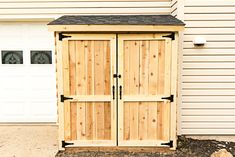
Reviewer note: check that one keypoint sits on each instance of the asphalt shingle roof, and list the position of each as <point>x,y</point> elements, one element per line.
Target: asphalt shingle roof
<point>118,20</point>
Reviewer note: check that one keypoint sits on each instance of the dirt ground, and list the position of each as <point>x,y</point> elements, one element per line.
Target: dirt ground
<point>187,147</point>
<point>41,141</point>
<point>28,140</point>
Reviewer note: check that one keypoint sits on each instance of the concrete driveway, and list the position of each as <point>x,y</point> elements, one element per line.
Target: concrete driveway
<point>28,140</point>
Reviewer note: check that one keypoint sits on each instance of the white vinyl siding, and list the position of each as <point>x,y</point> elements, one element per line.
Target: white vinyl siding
<point>208,73</point>
<point>174,8</point>
<point>55,8</point>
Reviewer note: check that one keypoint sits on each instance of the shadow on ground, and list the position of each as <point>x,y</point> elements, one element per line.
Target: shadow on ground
<point>187,147</point>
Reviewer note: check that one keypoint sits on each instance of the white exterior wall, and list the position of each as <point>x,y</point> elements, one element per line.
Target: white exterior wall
<point>174,8</point>
<point>17,9</point>
<point>207,92</point>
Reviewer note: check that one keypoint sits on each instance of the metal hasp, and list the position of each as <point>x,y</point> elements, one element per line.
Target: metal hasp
<point>171,98</point>
<point>64,144</point>
<point>63,98</point>
<point>61,36</point>
<point>172,36</point>
<point>116,76</point>
<point>170,144</point>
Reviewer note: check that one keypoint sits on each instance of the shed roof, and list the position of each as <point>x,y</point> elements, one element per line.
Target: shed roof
<point>118,20</point>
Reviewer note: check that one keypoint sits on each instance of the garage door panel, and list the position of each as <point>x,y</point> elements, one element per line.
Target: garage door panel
<point>28,91</point>
<point>12,108</point>
<point>37,108</point>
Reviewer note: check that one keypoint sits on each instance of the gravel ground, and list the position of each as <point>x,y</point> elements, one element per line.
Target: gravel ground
<point>187,147</point>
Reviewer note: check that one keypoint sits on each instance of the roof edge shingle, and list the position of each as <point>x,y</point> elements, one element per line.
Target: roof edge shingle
<point>117,20</point>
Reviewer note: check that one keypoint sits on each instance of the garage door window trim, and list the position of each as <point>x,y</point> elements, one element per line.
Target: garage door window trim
<point>12,56</point>
<point>41,57</point>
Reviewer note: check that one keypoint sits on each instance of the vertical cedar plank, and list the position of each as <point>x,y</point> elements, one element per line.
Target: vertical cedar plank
<point>67,131</point>
<point>81,85</point>
<point>79,50</point>
<point>161,82</point>
<point>90,90</point>
<point>153,86</point>
<point>72,73</point>
<point>143,90</point>
<point>99,88</point>
<point>84,86</point>
<point>134,87</point>
<point>107,106</point>
<point>126,82</point>
<point>94,124</point>
<point>167,92</point>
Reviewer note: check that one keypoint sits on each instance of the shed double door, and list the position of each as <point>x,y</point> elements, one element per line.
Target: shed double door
<point>115,89</point>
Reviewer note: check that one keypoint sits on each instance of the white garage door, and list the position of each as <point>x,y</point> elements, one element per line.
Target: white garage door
<point>28,88</point>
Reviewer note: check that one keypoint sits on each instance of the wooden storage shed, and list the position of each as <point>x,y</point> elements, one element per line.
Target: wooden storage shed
<point>117,80</point>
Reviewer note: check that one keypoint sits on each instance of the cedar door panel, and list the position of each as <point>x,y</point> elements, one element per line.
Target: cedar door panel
<point>145,66</point>
<point>87,70</point>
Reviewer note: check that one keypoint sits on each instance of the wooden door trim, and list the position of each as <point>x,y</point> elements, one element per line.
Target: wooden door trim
<point>90,98</point>
<point>93,143</point>
<point>60,105</point>
<point>120,83</point>
<point>144,98</point>
<point>146,143</point>
<point>112,38</point>
<point>174,86</point>
<point>173,65</point>
<point>66,89</point>
<point>63,79</point>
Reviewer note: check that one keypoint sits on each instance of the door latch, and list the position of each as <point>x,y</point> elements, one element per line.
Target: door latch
<point>63,98</point>
<point>171,98</point>
<point>116,76</point>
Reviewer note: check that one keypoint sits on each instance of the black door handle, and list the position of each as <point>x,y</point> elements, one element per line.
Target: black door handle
<point>120,88</point>
<point>113,92</point>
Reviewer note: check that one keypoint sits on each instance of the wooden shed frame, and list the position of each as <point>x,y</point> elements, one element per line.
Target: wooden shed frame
<point>130,30</point>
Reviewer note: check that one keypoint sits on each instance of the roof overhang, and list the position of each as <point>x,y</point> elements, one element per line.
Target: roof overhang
<point>114,28</point>
<point>117,23</point>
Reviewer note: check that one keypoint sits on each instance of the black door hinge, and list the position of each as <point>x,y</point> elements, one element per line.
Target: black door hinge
<point>170,144</point>
<point>171,98</point>
<point>172,36</point>
<point>64,144</point>
<point>61,36</point>
<point>63,98</point>
<point>116,76</point>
